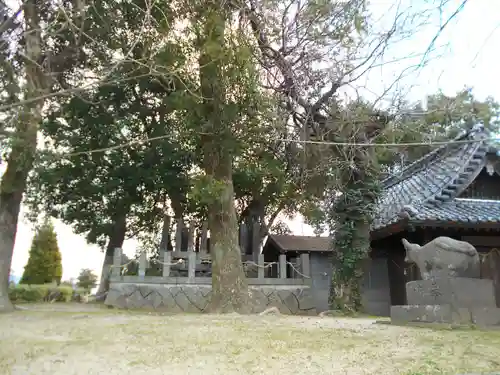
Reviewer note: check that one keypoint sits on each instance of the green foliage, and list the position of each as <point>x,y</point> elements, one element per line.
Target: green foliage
<point>87,279</point>
<point>90,191</point>
<point>44,262</point>
<point>40,293</point>
<point>440,118</point>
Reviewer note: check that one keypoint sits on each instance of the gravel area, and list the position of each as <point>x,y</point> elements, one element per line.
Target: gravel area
<point>62,339</point>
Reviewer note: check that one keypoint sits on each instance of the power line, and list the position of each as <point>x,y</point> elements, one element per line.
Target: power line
<point>438,143</point>
<point>286,140</point>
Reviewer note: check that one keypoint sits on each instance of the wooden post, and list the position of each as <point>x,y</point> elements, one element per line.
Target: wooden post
<point>192,265</point>
<point>178,234</point>
<point>255,241</point>
<point>167,259</point>
<point>243,238</point>
<point>261,270</point>
<point>298,266</point>
<point>143,260</point>
<point>117,263</point>
<point>190,244</point>
<point>282,270</point>
<point>204,236</point>
<point>305,267</point>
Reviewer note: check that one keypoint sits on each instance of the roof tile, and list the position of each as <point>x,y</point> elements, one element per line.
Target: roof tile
<point>430,185</point>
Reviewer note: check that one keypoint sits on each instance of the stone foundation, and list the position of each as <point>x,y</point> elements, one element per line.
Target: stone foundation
<point>459,291</point>
<point>480,316</point>
<point>460,301</point>
<point>195,298</point>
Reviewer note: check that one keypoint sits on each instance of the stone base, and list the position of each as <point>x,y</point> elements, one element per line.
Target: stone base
<point>195,298</point>
<point>480,316</point>
<point>459,291</point>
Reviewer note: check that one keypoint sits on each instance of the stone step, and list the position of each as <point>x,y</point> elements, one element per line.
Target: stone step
<point>480,316</point>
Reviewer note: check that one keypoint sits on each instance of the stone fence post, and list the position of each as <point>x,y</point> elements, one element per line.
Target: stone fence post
<point>192,264</point>
<point>261,270</point>
<point>142,265</point>
<point>167,259</point>
<point>282,266</point>
<point>117,263</point>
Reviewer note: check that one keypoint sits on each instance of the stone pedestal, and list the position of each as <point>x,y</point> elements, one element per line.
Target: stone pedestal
<point>449,300</point>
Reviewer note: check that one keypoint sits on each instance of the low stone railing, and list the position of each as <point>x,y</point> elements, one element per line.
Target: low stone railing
<point>193,293</point>
<point>192,260</point>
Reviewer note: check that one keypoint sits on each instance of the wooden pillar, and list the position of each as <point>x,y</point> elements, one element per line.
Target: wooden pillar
<point>204,238</point>
<point>243,238</point>
<point>255,241</point>
<point>305,267</point>
<point>178,234</point>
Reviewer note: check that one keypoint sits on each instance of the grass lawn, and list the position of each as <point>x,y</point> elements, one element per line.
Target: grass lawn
<point>102,341</point>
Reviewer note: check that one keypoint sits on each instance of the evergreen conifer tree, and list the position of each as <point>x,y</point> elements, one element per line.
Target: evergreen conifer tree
<point>44,263</point>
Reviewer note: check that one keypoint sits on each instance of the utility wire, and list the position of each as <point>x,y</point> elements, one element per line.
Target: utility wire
<point>285,140</point>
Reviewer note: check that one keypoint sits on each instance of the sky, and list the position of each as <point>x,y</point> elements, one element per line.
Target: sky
<point>470,59</point>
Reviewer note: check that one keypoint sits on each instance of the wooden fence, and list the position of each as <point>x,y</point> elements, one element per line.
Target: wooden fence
<point>288,273</point>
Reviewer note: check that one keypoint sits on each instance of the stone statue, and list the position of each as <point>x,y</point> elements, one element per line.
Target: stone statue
<point>444,256</point>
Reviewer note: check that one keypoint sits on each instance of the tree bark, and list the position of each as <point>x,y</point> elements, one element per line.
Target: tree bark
<point>229,285</point>
<point>24,142</point>
<point>116,239</point>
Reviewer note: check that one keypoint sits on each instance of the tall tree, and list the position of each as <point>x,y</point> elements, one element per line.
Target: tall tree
<point>42,54</point>
<point>23,141</point>
<point>115,193</point>
<point>44,263</point>
<point>229,286</point>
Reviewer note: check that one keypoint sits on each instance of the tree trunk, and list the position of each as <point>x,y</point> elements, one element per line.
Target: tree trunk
<point>20,160</point>
<point>229,285</point>
<point>165,243</point>
<point>116,239</point>
<point>352,217</point>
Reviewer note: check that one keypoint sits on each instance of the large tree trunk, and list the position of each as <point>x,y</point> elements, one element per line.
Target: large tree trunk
<point>20,160</point>
<point>116,239</point>
<point>229,285</point>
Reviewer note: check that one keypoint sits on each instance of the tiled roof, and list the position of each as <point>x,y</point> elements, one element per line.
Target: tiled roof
<point>300,243</point>
<point>461,210</point>
<point>427,188</point>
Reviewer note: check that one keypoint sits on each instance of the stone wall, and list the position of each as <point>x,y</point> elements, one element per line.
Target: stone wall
<point>296,300</point>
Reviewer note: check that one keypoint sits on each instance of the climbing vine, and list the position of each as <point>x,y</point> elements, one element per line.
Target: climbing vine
<point>350,216</point>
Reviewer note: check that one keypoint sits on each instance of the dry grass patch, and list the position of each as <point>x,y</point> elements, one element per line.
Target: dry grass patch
<point>111,342</point>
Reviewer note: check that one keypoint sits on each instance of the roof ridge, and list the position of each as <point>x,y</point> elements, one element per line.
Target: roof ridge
<point>416,165</point>
<point>471,168</point>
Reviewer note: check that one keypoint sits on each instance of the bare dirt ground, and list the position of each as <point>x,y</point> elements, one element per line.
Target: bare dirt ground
<point>87,339</point>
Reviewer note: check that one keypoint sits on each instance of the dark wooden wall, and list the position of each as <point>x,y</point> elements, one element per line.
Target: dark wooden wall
<point>484,186</point>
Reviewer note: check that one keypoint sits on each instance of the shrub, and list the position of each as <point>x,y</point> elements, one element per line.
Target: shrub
<point>40,293</point>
